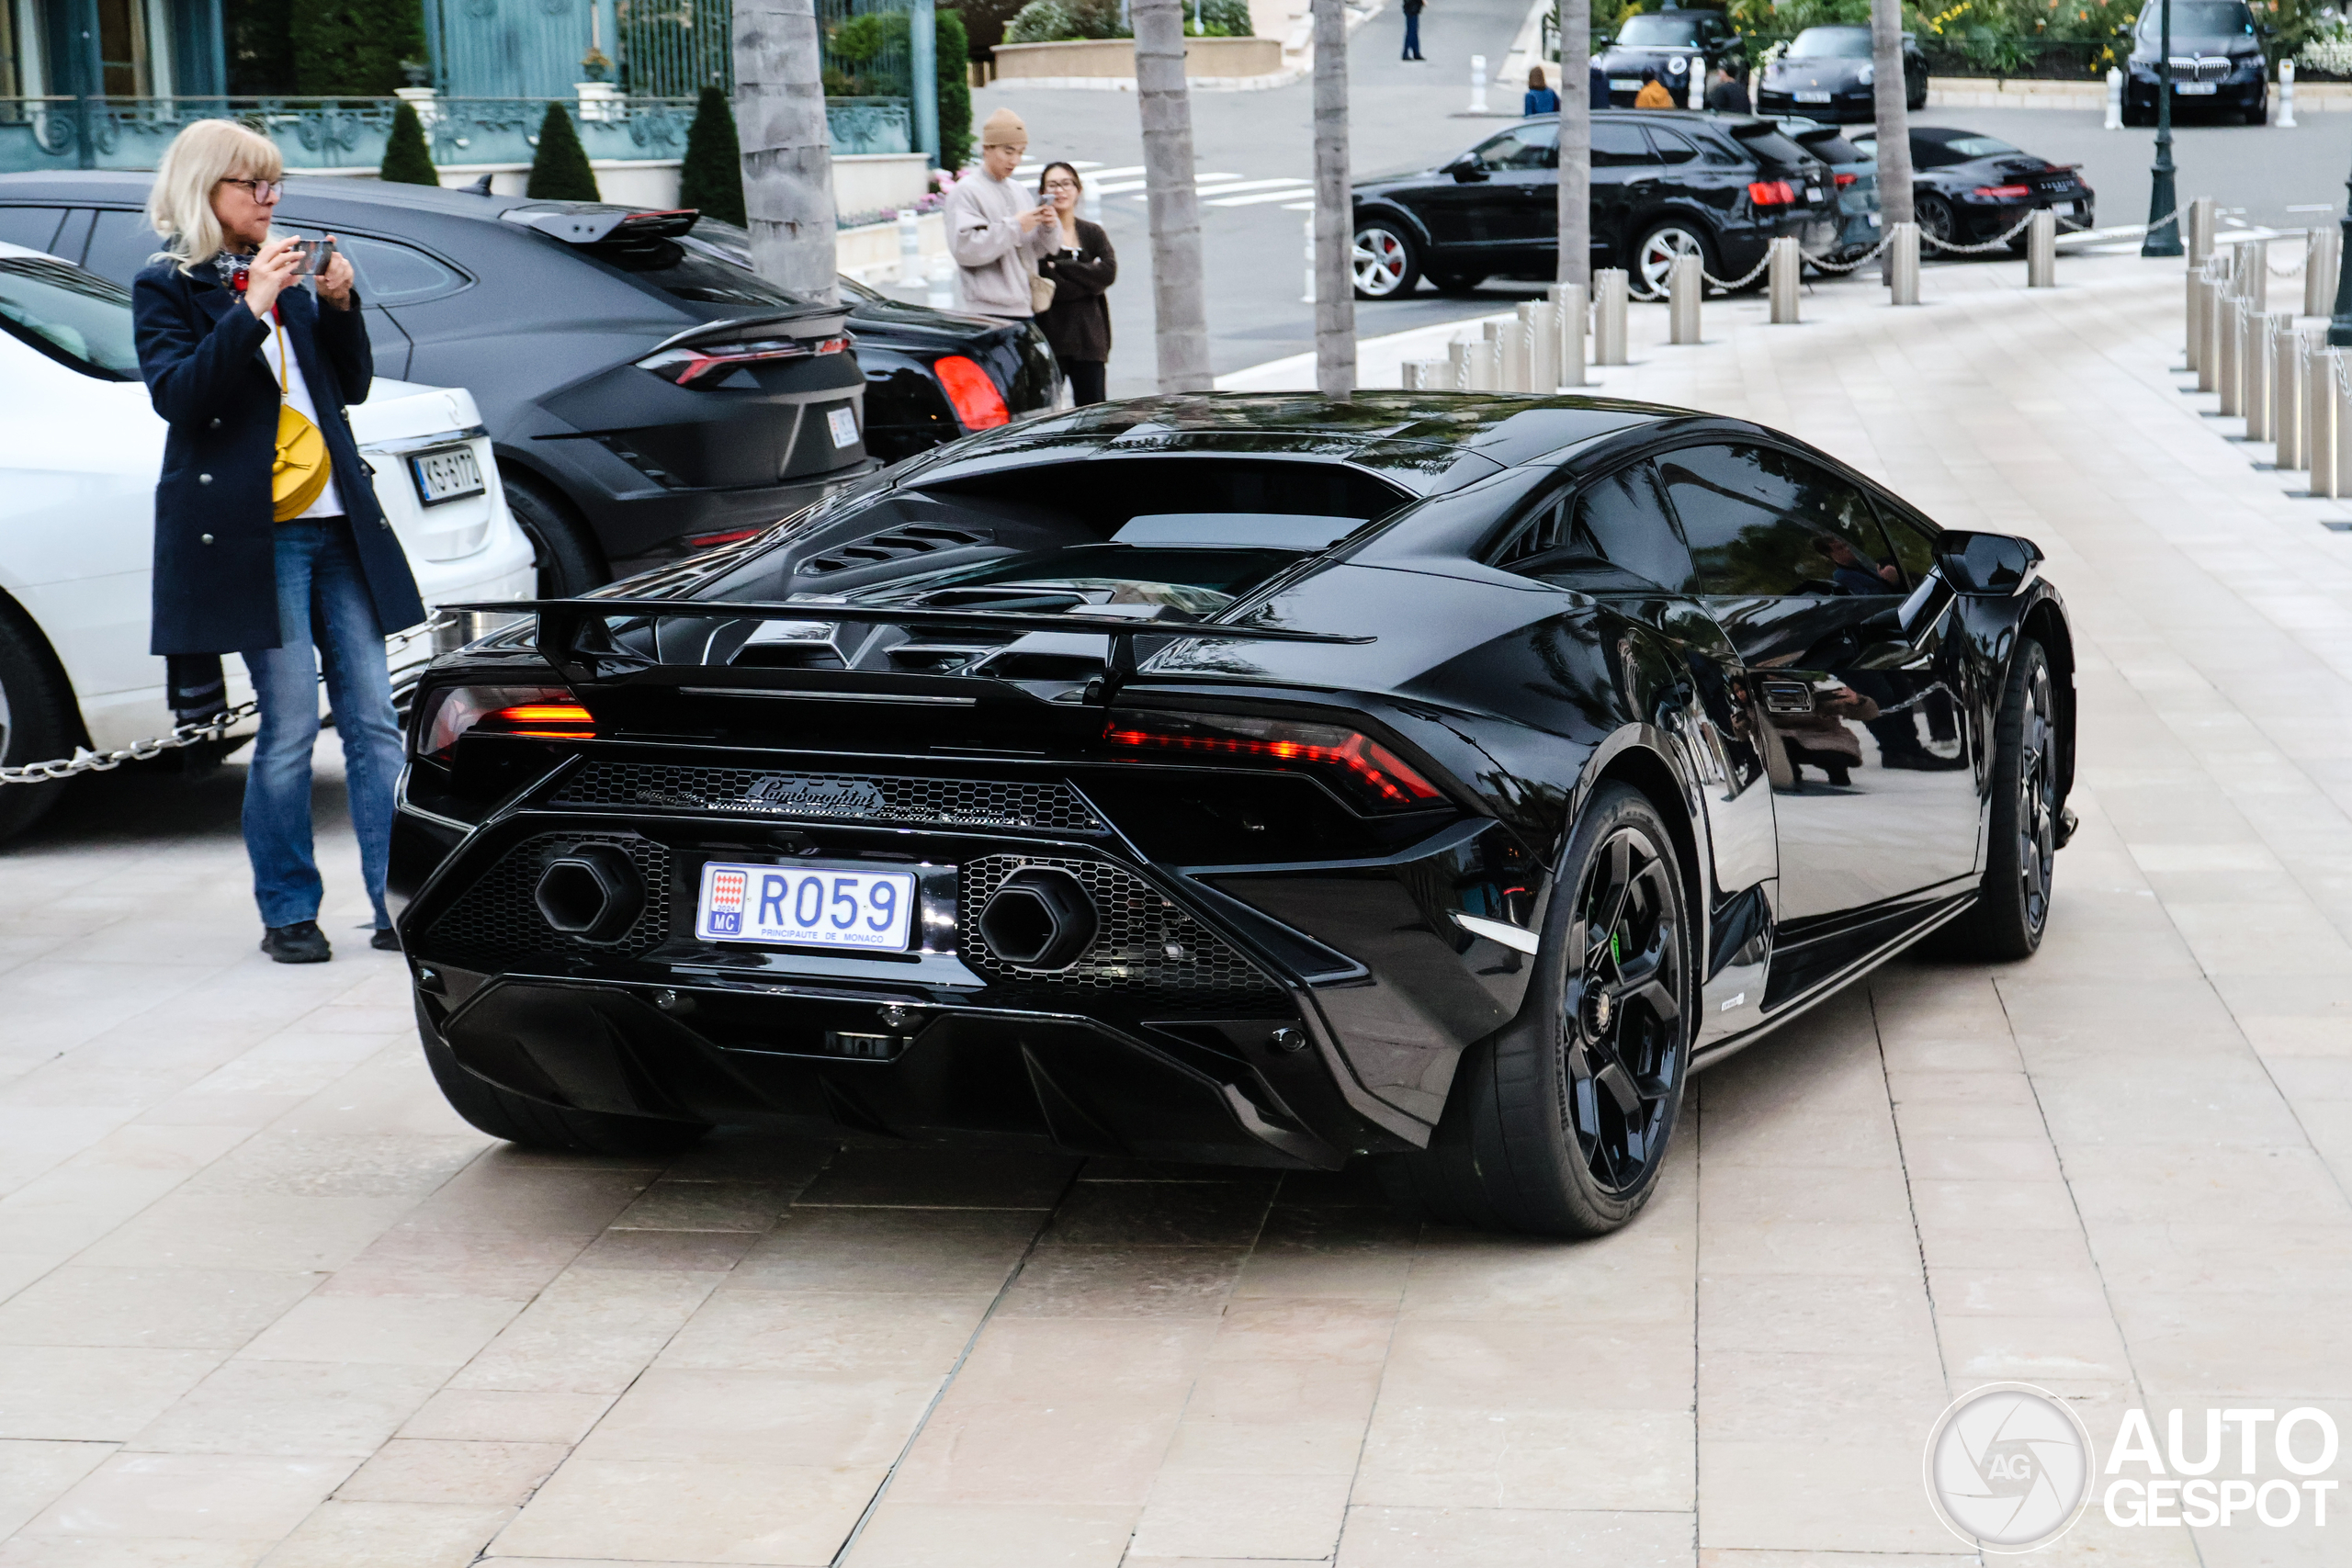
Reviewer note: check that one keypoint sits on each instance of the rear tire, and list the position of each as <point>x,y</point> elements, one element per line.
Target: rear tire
<point>1936,218</point>
<point>535,1125</point>
<point>2013,906</point>
<point>38,722</point>
<point>1654,257</point>
<point>568,562</point>
<point>1559,1124</point>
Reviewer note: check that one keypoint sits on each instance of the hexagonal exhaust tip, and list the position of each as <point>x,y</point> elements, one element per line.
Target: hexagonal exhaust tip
<point>1040,919</point>
<point>593,893</point>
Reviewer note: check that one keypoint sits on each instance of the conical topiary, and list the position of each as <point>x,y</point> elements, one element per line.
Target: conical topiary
<point>711,178</point>
<point>560,172</point>
<point>407,161</point>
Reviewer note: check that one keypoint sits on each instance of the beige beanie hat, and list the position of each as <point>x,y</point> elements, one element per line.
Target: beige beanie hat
<point>1003,128</point>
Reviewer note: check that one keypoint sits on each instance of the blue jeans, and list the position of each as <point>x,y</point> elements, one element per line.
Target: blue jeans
<point>322,607</point>
<point>1412,38</point>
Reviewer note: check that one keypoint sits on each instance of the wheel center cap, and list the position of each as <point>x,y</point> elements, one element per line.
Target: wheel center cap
<point>1599,1010</point>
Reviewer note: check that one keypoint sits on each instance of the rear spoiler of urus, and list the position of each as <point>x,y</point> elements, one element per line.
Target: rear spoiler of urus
<point>572,638</point>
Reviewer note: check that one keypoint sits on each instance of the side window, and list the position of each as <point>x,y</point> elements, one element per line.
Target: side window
<point>1762,521</point>
<point>1525,147</point>
<point>1617,145</point>
<point>120,244</point>
<point>1617,519</point>
<point>81,321</point>
<point>1914,547</point>
<point>31,227</point>
<point>389,273</point>
<point>1672,146</point>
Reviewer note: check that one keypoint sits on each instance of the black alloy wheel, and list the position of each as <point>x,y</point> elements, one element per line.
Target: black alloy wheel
<point>2013,904</point>
<point>38,722</point>
<point>1559,1124</point>
<point>1654,258</point>
<point>567,564</point>
<point>1937,221</point>
<point>1384,262</point>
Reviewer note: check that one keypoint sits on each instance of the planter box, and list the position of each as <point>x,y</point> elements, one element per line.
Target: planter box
<point>1115,58</point>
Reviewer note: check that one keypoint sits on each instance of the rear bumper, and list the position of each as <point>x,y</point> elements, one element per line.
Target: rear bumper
<point>1848,108</point>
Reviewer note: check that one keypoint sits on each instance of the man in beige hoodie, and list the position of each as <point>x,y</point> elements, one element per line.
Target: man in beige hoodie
<point>996,230</point>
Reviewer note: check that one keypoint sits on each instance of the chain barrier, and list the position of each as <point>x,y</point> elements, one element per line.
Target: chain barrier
<point>1993,244</point>
<point>85,760</point>
<point>1735,284</point>
<point>1825,265</point>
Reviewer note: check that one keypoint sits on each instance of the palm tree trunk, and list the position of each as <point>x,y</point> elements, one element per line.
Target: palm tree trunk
<point>1887,95</point>
<point>1575,142</point>
<point>787,153</point>
<point>1335,299</point>
<point>1174,199</point>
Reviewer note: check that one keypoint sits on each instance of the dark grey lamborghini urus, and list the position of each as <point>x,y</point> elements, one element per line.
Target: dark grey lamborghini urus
<point>1431,778</point>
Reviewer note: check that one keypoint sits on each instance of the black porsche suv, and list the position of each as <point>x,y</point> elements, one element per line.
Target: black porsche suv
<point>1666,183</point>
<point>648,394</point>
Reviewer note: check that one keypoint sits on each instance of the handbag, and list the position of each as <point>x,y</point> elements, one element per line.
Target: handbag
<point>300,470</point>
<point>1041,292</point>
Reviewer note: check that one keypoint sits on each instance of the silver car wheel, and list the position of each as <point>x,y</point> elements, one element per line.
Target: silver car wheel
<point>1654,266</point>
<point>1382,262</point>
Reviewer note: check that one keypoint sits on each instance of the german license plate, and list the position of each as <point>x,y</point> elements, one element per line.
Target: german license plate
<point>2196,89</point>
<point>842,425</point>
<point>2062,209</point>
<point>1813,96</point>
<point>444,473</point>
<point>806,906</point>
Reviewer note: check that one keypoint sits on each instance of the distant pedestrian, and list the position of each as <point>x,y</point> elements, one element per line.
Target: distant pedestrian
<point>1077,323</point>
<point>1600,86</point>
<point>995,231</point>
<point>1653,95</point>
<point>1540,100</point>
<point>1727,94</point>
<point>1412,30</point>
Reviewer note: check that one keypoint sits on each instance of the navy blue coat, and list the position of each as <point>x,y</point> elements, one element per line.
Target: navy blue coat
<point>200,351</point>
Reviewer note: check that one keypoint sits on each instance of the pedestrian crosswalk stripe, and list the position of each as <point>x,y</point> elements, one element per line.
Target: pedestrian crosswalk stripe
<point>1290,188</point>
<point>1227,184</point>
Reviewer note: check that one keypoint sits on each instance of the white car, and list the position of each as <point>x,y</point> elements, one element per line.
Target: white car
<point>80,448</point>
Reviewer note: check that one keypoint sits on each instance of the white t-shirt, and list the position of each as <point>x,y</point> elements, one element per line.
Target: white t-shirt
<point>297,393</point>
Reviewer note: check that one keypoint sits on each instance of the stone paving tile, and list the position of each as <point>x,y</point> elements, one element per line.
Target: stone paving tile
<point>263,1298</point>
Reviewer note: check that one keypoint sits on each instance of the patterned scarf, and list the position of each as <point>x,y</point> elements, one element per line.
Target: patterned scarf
<point>231,269</point>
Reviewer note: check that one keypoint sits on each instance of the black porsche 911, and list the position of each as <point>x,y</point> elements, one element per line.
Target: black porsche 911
<point>1829,74</point>
<point>1435,779</point>
<point>1967,189</point>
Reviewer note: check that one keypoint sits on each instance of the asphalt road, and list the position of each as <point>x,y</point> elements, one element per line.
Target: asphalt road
<point>1413,116</point>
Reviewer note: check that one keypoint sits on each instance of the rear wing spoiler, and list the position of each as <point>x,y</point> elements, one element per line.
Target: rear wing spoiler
<point>572,635</point>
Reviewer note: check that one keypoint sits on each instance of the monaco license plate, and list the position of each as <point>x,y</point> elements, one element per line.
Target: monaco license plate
<point>1625,83</point>
<point>1813,95</point>
<point>444,473</point>
<point>806,906</point>
<point>2196,89</point>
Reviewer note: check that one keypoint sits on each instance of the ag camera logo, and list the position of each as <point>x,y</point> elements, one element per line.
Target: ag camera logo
<point>2008,1467</point>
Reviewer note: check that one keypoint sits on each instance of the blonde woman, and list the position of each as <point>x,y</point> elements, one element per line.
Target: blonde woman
<point>228,337</point>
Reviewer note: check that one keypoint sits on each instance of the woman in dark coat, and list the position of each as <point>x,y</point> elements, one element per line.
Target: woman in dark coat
<point>227,336</point>
<point>1078,323</point>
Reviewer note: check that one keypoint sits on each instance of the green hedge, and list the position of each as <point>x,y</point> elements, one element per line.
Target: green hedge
<point>1056,21</point>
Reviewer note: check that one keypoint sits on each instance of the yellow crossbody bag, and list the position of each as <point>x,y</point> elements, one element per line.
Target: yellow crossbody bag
<point>302,468</point>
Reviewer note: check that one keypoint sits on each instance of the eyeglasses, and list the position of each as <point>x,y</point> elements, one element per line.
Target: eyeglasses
<point>1061,185</point>
<point>265,191</point>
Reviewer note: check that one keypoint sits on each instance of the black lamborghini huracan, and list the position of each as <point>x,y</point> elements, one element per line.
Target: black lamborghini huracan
<point>1432,778</point>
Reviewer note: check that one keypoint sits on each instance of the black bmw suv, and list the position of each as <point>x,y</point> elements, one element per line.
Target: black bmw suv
<point>1666,183</point>
<point>2217,62</point>
<point>647,394</point>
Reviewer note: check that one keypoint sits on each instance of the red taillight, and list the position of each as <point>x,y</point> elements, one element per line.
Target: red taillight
<point>978,403</point>
<point>1845,180</point>
<point>1772,193</point>
<point>691,365</point>
<point>2004,192</point>
<point>731,536</point>
<point>540,713</point>
<point>1372,774</point>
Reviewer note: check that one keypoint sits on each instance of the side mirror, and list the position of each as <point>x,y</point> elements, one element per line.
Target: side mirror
<point>1465,169</point>
<point>1993,566</point>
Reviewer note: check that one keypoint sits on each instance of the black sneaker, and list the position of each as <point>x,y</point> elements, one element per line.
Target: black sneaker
<point>302,942</point>
<point>386,940</point>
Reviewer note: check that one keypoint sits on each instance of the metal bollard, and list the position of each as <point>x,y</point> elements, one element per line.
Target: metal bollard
<point>1457,364</point>
<point>941,295</point>
<point>1574,317</point>
<point>1684,285</point>
<point>2340,386</point>
<point>2285,392</point>
<point>2324,256</point>
<point>1409,374</point>
<point>1486,361</point>
<point>1478,83</point>
<point>2319,412</point>
<point>2200,231</point>
<point>1786,272</point>
<point>2196,314</point>
<point>2254,288</point>
<point>1539,327</point>
<point>1429,376</point>
<point>1902,264</point>
<point>2042,250</point>
<point>2286,117</point>
<point>2254,397</point>
<point>1510,347</point>
<point>910,250</point>
<point>2114,99</point>
<point>1611,291</point>
<point>2209,324</point>
<point>2226,377</point>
